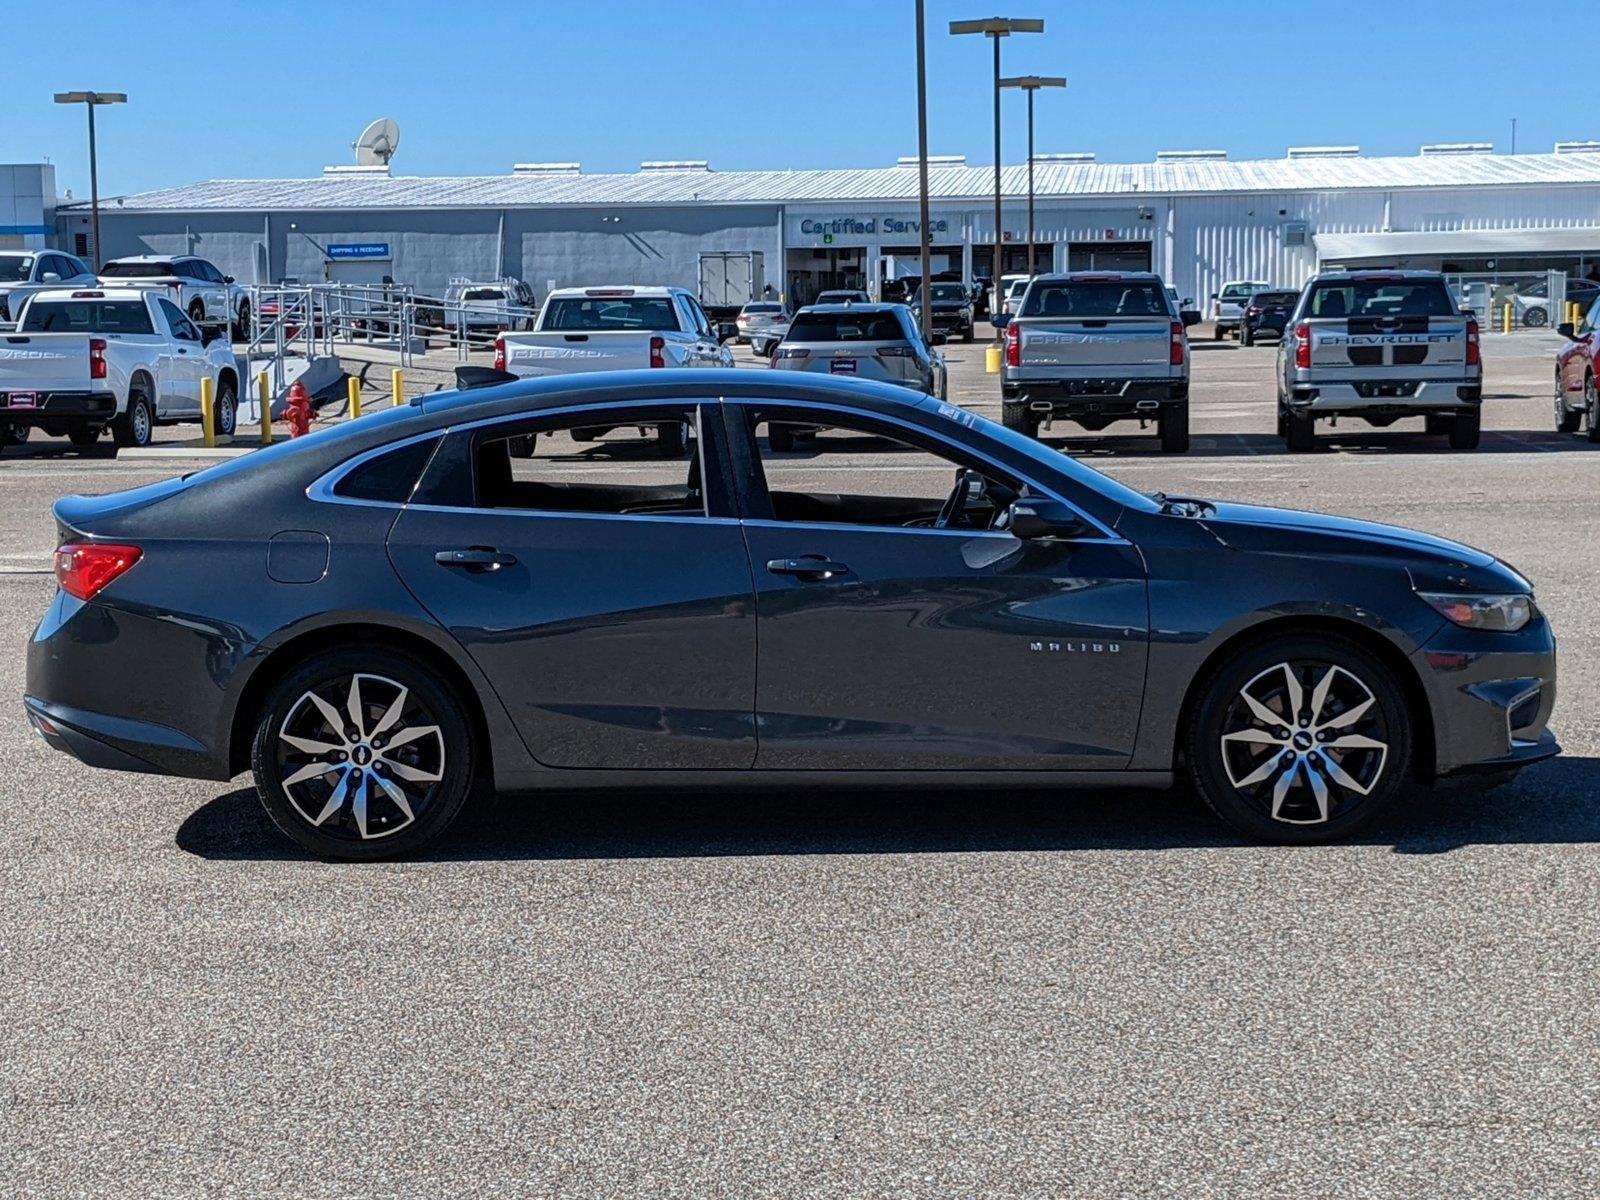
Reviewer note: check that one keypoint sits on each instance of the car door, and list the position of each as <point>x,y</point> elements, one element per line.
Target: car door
<point>183,362</point>
<point>888,643</point>
<point>603,589</point>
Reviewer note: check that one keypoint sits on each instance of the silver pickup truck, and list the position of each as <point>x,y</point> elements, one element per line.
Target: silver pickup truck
<point>1096,347</point>
<point>1378,346</point>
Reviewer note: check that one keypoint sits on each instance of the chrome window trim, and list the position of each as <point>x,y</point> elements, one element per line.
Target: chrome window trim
<point>1109,537</point>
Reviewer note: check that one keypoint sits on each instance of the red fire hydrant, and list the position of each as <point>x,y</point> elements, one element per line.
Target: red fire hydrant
<point>297,410</point>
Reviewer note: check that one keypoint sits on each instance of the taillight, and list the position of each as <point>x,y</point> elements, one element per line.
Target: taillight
<point>83,569</point>
<point>1302,346</point>
<point>1474,350</point>
<point>97,358</point>
<point>658,352</point>
<point>1176,356</point>
<point>1013,346</point>
<point>1253,311</point>
<point>499,354</point>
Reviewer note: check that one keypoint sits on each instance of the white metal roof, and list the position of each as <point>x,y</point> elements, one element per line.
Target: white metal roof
<point>1052,180</point>
<point>1396,244</point>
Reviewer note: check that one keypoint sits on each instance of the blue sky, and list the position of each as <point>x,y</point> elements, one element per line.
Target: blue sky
<point>609,83</point>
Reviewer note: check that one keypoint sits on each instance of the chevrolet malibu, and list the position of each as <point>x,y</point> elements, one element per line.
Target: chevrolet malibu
<point>377,617</point>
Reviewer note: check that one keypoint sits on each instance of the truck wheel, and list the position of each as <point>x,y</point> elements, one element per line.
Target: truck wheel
<point>84,435</point>
<point>197,311</point>
<point>1464,430</point>
<point>1283,420</point>
<point>225,414</point>
<point>1246,338</point>
<point>1174,426</point>
<point>966,334</point>
<point>1014,415</point>
<point>1567,420</point>
<point>13,435</point>
<point>1437,423</point>
<point>137,424</point>
<point>1300,431</point>
<point>669,439</point>
<point>1216,332</point>
<point>780,438</point>
<point>241,327</point>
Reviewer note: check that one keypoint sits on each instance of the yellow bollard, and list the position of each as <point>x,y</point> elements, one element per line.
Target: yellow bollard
<point>264,390</point>
<point>208,419</point>
<point>355,397</point>
<point>397,385</point>
<point>991,360</point>
<point>1505,319</point>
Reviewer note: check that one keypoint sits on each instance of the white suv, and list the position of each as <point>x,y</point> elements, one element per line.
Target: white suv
<point>193,284</point>
<point>24,272</point>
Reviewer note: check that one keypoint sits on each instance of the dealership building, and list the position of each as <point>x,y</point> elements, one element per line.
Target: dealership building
<point>1196,217</point>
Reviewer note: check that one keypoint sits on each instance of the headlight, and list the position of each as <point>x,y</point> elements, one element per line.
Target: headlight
<point>1502,614</point>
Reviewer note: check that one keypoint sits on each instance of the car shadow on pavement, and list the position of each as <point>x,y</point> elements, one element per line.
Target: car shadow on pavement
<point>1556,802</point>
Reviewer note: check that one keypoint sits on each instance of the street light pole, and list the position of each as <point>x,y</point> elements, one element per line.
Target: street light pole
<point>997,28</point>
<point>925,312</point>
<point>1031,84</point>
<point>91,100</point>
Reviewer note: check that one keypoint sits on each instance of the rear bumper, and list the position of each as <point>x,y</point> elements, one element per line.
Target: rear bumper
<point>1385,393</point>
<point>1106,398</point>
<point>55,407</point>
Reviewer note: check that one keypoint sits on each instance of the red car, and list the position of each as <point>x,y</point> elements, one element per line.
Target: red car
<point>1577,401</point>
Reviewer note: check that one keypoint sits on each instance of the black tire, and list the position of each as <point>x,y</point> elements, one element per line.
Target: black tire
<point>1174,426</point>
<point>14,435</point>
<point>1591,409</point>
<point>1246,338</point>
<point>241,327</point>
<point>1465,429</point>
<point>780,438</point>
<point>136,425</point>
<point>1283,420</point>
<point>669,439</point>
<point>1014,415</point>
<point>197,311</point>
<point>1229,774</point>
<point>1216,332</point>
<point>1536,318</point>
<point>522,446</point>
<point>225,410</point>
<point>966,334</point>
<point>1567,420</point>
<point>1437,423</point>
<point>1300,432</point>
<point>83,435</point>
<point>430,703</point>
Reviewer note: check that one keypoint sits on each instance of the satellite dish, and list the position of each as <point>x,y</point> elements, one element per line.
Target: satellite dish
<point>377,143</point>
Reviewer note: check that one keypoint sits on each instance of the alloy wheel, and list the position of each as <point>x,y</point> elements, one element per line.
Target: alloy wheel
<point>1304,742</point>
<point>360,757</point>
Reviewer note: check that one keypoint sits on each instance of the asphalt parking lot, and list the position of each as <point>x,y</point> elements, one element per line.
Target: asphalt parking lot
<point>941,994</point>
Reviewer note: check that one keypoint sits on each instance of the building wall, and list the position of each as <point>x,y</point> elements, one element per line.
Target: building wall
<point>27,205</point>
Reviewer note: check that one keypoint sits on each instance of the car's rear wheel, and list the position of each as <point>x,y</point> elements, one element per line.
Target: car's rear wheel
<point>1216,333</point>
<point>1535,318</point>
<point>1466,429</point>
<point>13,435</point>
<point>1591,409</point>
<point>241,328</point>
<point>1567,420</point>
<point>362,754</point>
<point>1174,426</point>
<point>1303,738</point>
<point>1300,432</point>
<point>197,311</point>
<point>1015,415</point>
<point>136,425</point>
<point>225,413</point>
<point>1246,338</point>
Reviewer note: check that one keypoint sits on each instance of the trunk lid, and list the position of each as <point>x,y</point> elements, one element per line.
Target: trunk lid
<point>44,362</point>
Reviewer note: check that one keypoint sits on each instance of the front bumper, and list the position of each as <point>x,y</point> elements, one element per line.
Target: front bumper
<point>1492,695</point>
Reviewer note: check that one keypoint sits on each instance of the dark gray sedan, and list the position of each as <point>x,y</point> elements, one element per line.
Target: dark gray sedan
<point>375,617</point>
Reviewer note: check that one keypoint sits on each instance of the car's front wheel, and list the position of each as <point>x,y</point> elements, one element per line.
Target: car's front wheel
<point>1567,420</point>
<point>362,754</point>
<point>1299,739</point>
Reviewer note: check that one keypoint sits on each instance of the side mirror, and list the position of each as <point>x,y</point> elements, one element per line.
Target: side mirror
<point>1213,295</point>
<point>1044,518</point>
<point>1566,330</point>
<point>1189,317</point>
<point>49,277</point>
<point>227,279</point>
<point>1187,302</point>
<point>1000,319</point>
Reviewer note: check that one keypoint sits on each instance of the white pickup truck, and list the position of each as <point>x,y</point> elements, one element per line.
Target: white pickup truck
<point>1228,305</point>
<point>612,329</point>
<point>84,360</point>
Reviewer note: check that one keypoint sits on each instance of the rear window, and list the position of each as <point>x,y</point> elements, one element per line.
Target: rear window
<point>763,308</point>
<point>137,270</point>
<point>390,477</point>
<point>594,313</point>
<point>86,316</point>
<point>1274,299</point>
<point>1238,291</point>
<point>949,291</point>
<point>1094,298</point>
<point>1381,298</point>
<point>483,294</point>
<point>846,327</point>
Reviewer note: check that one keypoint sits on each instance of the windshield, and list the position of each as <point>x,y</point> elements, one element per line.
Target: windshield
<point>1238,291</point>
<point>846,327</point>
<point>136,270</point>
<point>1381,298</point>
<point>15,268</point>
<point>1096,298</point>
<point>599,313</point>
<point>86,316</point>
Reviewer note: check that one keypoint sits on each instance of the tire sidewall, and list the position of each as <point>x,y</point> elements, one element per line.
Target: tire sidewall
<point>227,402</point>
<point>440,698</point>
<point>1205,726</point>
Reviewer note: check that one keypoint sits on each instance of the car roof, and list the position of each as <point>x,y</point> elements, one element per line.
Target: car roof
<point>151,258</point>
<point>1375,273</point>
<point>615,291</point>
<point>870,306</point>
<point>89,292</point>
<point>1058,276</point>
